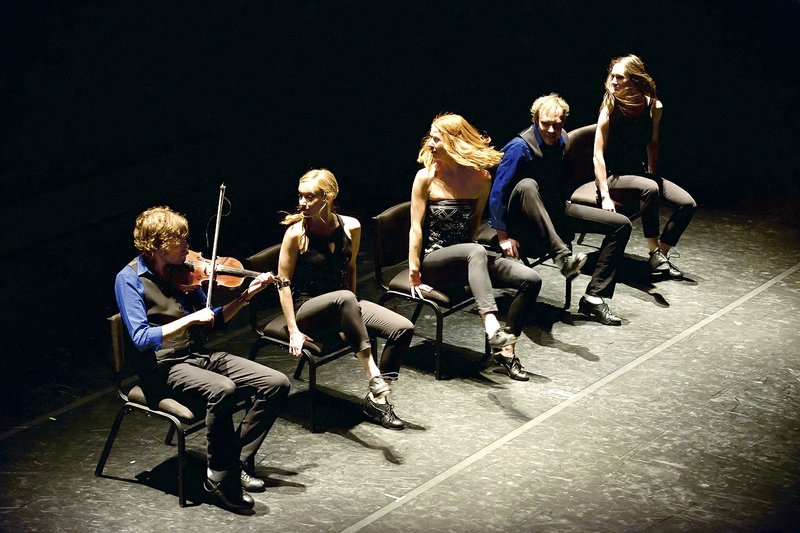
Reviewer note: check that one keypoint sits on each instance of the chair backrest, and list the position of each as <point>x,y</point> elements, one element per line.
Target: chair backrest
<point>118,349</point>
<point>580,154</point>
<point>391,238</point>
<point>117,342</point>
<point>264,261</point>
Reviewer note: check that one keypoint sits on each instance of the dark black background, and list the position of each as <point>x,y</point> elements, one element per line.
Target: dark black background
<point>109,107</point>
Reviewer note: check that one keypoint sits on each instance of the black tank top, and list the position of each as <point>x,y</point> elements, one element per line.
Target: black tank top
<point>321,269</point>
<point>628,138</point>
<point>448,222</point>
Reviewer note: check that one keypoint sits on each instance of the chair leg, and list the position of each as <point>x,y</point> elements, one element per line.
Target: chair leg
<point>312,394</point>
<point>487,351</point>
<point>170,435</point>
<point>415,314</point>
<point>300,365</point>
<point>181,464</point>
<point>255,348</point>
<point>437,361</point>
<point>112,435</point>
<point>568,295</point>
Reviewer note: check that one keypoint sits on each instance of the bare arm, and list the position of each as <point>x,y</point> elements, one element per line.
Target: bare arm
<point>653,146</point>
<point>419,199</point>
<point>290,249</point>
<point>600,143</point>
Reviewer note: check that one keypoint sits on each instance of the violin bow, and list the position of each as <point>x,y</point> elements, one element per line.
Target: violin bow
<point>213,272</point>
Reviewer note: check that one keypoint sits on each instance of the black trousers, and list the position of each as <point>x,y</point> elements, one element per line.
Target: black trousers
<point>469,262</point>
<point>546,224</point>
<point>357,320</point>
<point>640,194</point>
<point>221,380</point>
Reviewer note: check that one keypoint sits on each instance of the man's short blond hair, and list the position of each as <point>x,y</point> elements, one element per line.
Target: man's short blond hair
<point>549,101</point>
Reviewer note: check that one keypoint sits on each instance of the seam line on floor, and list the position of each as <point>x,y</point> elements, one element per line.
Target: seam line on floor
<point>480,454</point>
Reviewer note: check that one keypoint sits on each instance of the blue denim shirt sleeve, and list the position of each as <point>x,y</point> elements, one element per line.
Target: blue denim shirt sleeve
<point>129,291</point>
<point>505,179</point>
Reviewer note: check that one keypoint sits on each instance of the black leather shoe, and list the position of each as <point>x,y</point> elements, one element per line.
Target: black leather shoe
<point>502,337</point>
<point>382,413</point>
<point>599,311</point>
<point>673,271</point>
<point>251,483</point>
<point>230,493</point>
<point>571,265</point>
<point>512,366</point>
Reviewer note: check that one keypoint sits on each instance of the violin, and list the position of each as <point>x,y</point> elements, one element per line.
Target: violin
<point>197,269</point>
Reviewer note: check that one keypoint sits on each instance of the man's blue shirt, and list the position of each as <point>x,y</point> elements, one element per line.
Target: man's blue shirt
<point>517,157</point>
<point>129,291</point>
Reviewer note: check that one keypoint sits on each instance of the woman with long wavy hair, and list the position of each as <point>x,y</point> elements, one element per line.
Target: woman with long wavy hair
<point>447,202</point>
<point>626,151</point>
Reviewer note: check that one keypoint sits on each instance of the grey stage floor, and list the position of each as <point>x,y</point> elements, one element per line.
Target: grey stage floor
<point>686,418</point>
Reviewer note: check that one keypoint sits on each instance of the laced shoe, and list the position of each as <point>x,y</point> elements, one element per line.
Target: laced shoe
<point>600,311</point>
<point>502,337</point>
<point>571,264</point>
<point>382,414</point>
<point>511,365</point>
<point>673,271</point>
<point>251,483</point>
<point>229,493</point>
<point>658,263</point>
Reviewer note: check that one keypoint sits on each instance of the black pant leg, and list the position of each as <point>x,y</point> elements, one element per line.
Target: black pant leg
<point>617,231</point>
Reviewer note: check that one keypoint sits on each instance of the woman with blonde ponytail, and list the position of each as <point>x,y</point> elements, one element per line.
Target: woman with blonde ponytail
<point>318,256</point>
<point>625,156</point>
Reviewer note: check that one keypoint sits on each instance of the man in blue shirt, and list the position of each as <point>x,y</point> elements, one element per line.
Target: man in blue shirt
<point>529,211</point>
<point>164,323</point>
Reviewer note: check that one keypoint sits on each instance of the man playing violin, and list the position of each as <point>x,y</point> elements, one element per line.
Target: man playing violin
<point>164,323</point>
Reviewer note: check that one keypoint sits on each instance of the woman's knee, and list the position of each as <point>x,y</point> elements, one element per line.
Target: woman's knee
<point>531,283</point>
<point>345,298</point>
<point>649,188</point>
<point>477,253</point>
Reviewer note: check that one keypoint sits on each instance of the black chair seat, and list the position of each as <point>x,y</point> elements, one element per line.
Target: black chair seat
<point>168,405</point>
<point>391,251</point>
<point>453,297</point>
<point>182,419</point>
<point>327,345</point>
<point>325,341</point>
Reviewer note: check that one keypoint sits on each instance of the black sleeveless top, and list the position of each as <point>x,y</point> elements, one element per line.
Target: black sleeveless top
<point>628,138</point>
<point>447,222</point>
<point>319,269</point>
